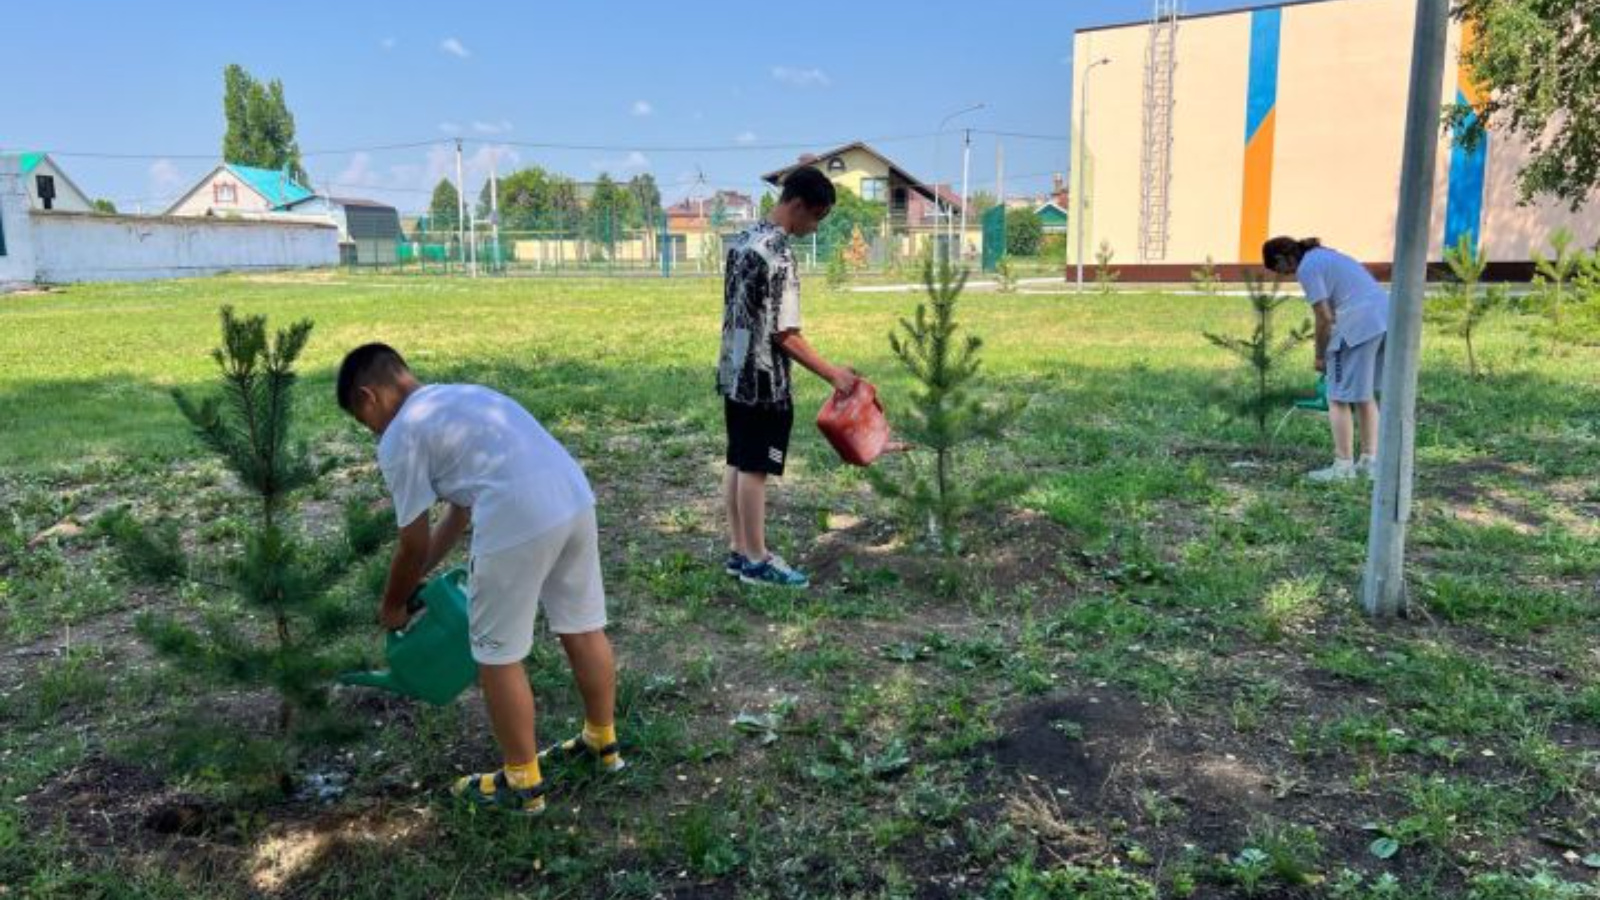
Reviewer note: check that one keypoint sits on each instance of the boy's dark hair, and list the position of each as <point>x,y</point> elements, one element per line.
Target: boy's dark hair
<point>365,366</point>
<point>1281,248</point>
<point>810,187</point>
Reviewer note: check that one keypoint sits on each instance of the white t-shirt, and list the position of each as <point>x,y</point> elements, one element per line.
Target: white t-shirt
<point>478,448</point>
<point>1360,304</point>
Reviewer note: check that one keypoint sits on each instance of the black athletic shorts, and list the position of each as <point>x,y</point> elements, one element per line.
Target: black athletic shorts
<point>758,436</point>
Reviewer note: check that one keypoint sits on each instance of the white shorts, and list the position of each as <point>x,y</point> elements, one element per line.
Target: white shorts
<point>558,570</point>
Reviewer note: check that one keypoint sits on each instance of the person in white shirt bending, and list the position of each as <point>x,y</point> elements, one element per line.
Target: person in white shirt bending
<point>534,544</point>
<point>1352,314</point>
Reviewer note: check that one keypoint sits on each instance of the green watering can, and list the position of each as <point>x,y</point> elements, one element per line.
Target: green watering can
<point>431,658</point>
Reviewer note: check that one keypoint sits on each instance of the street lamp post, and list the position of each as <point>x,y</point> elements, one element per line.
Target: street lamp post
<point>943,122</point>
<point>1083,142</point>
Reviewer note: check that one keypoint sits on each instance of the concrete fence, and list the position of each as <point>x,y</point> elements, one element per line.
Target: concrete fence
<point>53,247</point>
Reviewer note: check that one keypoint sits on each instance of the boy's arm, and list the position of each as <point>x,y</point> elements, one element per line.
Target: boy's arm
<point>405,572</point>
<point>444,537</point>
<point>798,349</point>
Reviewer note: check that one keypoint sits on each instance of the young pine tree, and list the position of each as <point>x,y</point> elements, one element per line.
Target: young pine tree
<point>1464,304</point>
<point>1105,277</point>
<point>947,413</point>
<point>1552,277</point>
<point>287,586</point>
<point>1205,278</point>
<point>1262,353</point>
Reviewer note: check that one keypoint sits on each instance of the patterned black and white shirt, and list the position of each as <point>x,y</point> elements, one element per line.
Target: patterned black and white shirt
<point>761,300</point>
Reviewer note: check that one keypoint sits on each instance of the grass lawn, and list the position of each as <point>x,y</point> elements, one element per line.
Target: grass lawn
<point>1145,678</point>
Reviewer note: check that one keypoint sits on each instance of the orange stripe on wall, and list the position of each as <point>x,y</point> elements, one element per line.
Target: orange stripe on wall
<point>1471,89</point>
<point>1257,202</point>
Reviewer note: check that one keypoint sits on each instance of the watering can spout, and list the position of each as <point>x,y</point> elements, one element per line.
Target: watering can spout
<point>376,678</point>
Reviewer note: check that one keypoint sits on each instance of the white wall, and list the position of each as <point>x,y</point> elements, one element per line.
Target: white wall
<point>71,247</point>
<point>16,266</point>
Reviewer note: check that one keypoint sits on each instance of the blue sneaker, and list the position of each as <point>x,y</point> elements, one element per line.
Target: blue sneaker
<point>773,571</point>
<point>735,564</point>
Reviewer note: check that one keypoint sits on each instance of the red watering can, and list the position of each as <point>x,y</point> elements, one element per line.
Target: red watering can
<point>854,424</point>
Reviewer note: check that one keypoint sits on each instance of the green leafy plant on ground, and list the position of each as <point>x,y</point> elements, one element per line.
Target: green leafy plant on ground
<point>946,414</point>
<point>285,583</point>
<point>1464,304</point>
<point>1262,354</point>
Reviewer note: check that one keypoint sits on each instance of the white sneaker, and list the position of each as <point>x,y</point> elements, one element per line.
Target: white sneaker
<point>1367,466</point>
<point>1341,470</point>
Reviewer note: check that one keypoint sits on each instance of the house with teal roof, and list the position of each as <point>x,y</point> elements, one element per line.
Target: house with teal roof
<point>48,186</point>
<point>233,189</point>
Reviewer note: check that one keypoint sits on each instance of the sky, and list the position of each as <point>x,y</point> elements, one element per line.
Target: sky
<point>704,94</point>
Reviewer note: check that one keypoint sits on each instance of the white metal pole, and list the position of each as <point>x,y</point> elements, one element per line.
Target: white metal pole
<point>461,206</point>
<point>1083,143</point>
<point>494,205</point>
<point>1383,587</point>
<point>966,156</point>
<point>1000,174</point>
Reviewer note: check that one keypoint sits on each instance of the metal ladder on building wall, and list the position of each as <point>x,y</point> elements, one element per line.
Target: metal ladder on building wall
<point>1155,155</point>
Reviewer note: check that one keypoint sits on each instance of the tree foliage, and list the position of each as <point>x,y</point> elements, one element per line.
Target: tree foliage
<point>1537,63</point>
<point>1262,354</point>
<point>947,414</point>
<point>1024,232</point>
<point>850,214</point>
<point>287,607</point>
<point>260,128</point>
<point>444,210</point>
<point>533,199</point>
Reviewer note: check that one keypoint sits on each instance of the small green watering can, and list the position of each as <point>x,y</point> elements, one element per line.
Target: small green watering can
<point>431,658</point>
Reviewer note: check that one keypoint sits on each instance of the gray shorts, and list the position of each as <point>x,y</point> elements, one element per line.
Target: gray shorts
<point>1354,371</point>
<point>558,571</point>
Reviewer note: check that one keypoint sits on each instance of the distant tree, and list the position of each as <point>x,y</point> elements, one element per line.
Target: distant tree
<point>850,213</point>
<point>103,205</point>
<point>533,199</point>
<point>980,202</point>
<point>719,211</point>
<point>646,196</point>
<point>260,127</point>
<point>611,211</point>
<point>444,212</point>
<point>1024,232</point>
<point>768,201</point>
<point>1538,65</point>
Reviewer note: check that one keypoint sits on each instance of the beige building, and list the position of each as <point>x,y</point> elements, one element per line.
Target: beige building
<point>1284,119</point>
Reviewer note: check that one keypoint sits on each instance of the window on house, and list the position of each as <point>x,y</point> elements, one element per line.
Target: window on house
<point>46,185</point>
<point>836,164</point>
<point>224,193</point>
<point>875,189</point>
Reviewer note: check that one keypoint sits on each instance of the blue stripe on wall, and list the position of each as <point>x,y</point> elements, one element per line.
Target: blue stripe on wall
<point>1463,212</point>
<point>1264,28</point>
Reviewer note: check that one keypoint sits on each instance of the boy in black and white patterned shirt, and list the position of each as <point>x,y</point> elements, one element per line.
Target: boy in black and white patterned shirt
<point>760,335</point>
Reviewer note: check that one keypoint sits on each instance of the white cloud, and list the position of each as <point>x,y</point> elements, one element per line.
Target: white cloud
<point>358,173</point>
<point>500,127</point>
<point>634,161</point>
<point>165,179</point>
<point>449,128</point>
<point>642,108</point>
<point>802,78</point>
<point>388,43</point>
<point>454,47</point>
<point>745,137</point>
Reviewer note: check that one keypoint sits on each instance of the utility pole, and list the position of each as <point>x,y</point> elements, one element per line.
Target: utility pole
<point>966,157</point>
<point>1083,143</point>
<point>494,207</point>
<point>461,207</point>
<point>1383,587</point>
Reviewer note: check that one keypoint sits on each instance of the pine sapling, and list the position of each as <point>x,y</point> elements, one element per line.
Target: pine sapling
<point>1205,278</point>
<point>1005,276</point>
<point>1105,276</point>
<point>1262,353</point>
<point>290,605</point>
<point>947,414</point>
<point>1464,304</point>
<point>1551,278</point>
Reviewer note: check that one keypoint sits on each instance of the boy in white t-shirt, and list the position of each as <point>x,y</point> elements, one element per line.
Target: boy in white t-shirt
<point>534,544</point>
